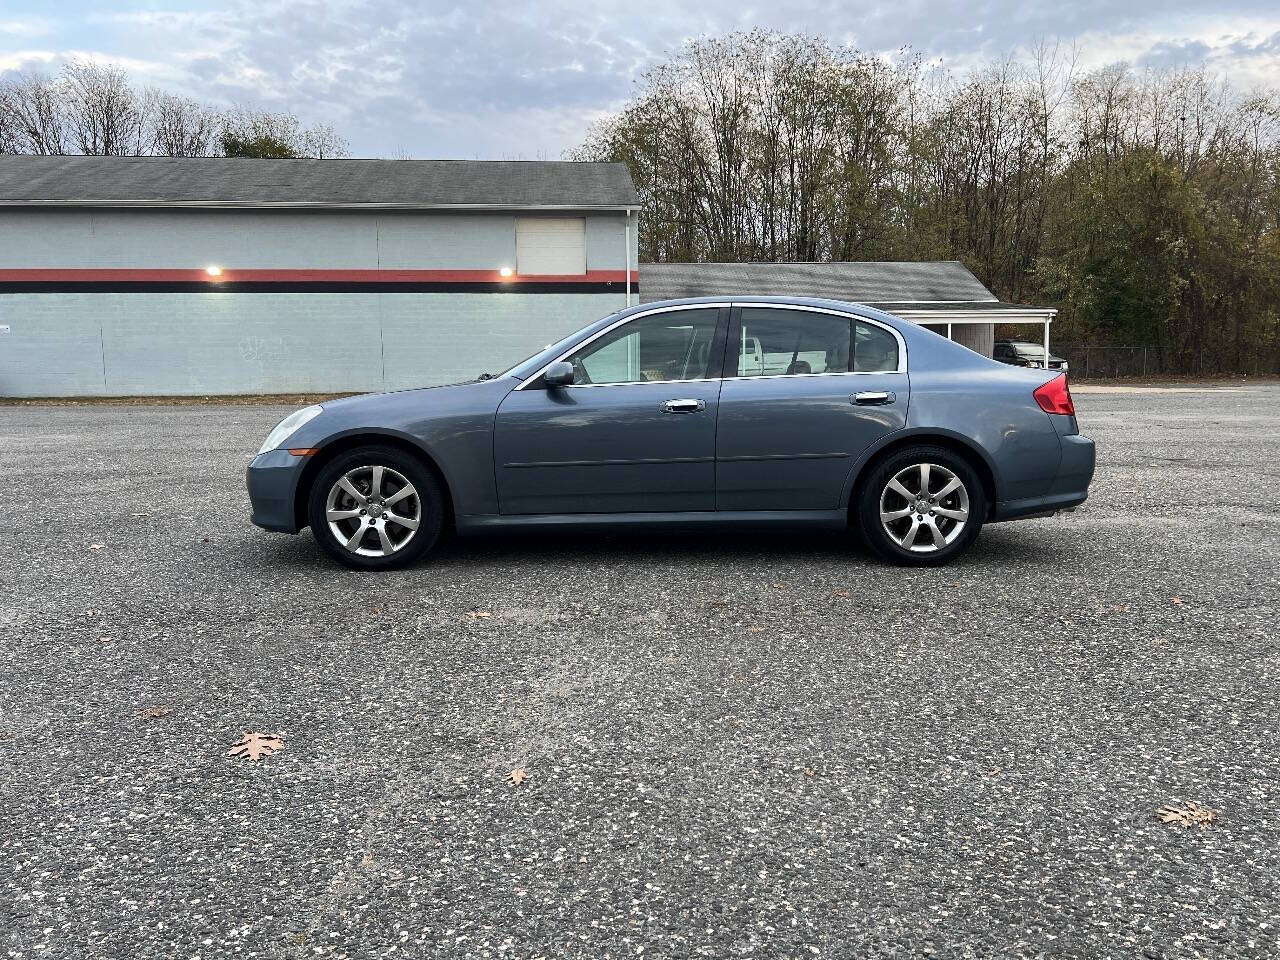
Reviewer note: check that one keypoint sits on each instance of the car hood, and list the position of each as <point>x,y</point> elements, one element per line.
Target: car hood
<point>417,413</point>
<point>379,401</point>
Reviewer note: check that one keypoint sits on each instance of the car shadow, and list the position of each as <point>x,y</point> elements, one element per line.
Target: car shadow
<point>997,545</point>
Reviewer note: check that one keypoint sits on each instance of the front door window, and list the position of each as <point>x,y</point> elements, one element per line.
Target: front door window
<point>672,345</point>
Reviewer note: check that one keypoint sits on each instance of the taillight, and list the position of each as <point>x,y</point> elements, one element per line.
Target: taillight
<point>1055,396</point>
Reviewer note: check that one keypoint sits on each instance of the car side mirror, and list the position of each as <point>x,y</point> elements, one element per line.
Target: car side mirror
<point>559,374</point>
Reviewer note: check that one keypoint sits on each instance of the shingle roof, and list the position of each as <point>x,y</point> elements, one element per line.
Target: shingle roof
<point>239,182</point>
<point>870,283</point>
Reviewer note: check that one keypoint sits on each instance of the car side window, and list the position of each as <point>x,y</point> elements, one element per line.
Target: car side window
<point>774,342</point>
<point>672,345</point>
<point>875,349</point>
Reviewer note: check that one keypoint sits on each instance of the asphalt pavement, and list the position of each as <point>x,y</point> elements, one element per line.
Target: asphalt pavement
<point>767,746</point>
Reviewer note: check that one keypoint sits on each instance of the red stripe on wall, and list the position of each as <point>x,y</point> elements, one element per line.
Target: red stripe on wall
<point>144,275</point>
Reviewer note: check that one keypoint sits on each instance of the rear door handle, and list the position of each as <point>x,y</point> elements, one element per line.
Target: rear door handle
<point>684,406</point>
<point>867,397</point>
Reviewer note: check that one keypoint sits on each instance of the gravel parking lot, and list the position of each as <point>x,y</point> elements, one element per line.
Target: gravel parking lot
<point>767,746</point>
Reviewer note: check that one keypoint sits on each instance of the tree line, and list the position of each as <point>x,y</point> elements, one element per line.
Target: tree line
<point>96,109</point>
<point>1144,206</point>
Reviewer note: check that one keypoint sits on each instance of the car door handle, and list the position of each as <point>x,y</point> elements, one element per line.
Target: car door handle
<point>684,406</point>
<point>868,397</point>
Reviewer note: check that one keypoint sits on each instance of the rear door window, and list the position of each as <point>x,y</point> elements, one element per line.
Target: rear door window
<point>777,342</point>
<point>875,349</point>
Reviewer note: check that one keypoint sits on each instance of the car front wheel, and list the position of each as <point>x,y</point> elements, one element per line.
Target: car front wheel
<point>375,508</point>
<point>921,506</point>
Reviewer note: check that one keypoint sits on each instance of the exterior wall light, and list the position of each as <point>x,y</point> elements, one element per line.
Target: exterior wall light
<point>506,272</point>
<point>213,270</point>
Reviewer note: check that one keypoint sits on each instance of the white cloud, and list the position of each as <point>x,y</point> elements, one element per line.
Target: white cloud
<point>513,78</point>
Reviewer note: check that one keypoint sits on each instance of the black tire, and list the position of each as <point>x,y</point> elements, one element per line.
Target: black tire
<point>426,491</point>
<point>874,486</point>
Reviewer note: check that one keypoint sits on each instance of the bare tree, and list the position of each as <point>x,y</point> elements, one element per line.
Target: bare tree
<point>181,127</point>
<point>322,142</point>
<point>105,115</point>
<point>32,114</point>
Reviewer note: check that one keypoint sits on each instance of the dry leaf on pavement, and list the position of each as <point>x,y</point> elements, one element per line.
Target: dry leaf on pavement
<point>517,776</point>
<point>778,586</point>
<point>839,593</point>
<point>1177,601</point>
<point>479,614</point>
<point>1189,814</point>
<point>256,745</point>
<point>153,713</point>
<point>96,546</point>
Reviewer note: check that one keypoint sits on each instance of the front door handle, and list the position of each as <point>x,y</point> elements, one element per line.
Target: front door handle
<point>868,397</point>
<point>684,406</point>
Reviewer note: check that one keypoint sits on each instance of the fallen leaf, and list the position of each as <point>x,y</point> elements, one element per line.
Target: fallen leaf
<point>517,776</point>
<point>994,772</point>
<point>810,772</point>
<point>96,546</point>
<point>755,629</point>
<point>778,586</point>
<point>1190,814</point>
<point>1177,601</point>
<point>153,713</point>
<point>839,593</point>
<point>479,614</point>
<point>255,746</point>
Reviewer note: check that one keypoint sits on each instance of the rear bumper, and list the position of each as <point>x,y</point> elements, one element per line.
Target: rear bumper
<point>272,479</point>
<point>1070,487</point>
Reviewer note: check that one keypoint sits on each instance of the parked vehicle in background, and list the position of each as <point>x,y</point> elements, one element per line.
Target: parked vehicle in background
<point>1019,353</point>
<point>706,414</point>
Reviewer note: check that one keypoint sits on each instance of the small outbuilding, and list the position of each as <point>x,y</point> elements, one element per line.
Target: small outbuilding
<point>943,295</point>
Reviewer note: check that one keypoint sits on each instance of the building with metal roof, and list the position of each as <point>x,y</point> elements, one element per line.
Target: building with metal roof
<point>147,275</point>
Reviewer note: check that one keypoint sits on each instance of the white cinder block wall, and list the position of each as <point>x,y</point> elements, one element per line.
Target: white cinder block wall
<point>93,342</point>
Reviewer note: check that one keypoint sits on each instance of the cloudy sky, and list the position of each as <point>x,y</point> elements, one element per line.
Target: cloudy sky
<point>524,79</point>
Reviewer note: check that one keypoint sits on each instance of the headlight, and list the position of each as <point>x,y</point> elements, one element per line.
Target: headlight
<point>289,426</point>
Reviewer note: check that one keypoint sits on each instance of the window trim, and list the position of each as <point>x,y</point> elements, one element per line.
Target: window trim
<point>721,326</point>
<point>735,323</point>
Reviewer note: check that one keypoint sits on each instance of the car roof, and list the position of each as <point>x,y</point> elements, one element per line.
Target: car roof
<point>844,306</point>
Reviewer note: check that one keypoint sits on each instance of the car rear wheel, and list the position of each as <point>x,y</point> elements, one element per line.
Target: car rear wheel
<point>375,508</point>
<point>921,506</point>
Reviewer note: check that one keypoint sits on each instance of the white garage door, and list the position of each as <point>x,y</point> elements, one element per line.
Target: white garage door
<point>551,246</point>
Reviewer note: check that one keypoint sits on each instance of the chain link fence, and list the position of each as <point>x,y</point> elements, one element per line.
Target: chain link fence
<point>1092,362</point>
<point>1102,363</point>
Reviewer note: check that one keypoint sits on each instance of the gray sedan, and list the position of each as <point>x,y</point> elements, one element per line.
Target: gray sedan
<point>690,414</point>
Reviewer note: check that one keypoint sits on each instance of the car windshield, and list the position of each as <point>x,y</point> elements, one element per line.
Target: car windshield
<point>530,365</point>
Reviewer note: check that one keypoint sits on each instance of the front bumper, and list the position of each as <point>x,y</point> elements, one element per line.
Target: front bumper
<point>272,478</point>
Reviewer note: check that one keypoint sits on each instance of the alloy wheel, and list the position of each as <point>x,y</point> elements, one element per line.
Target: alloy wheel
<point>924,508</point>
<point>373,511</point>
